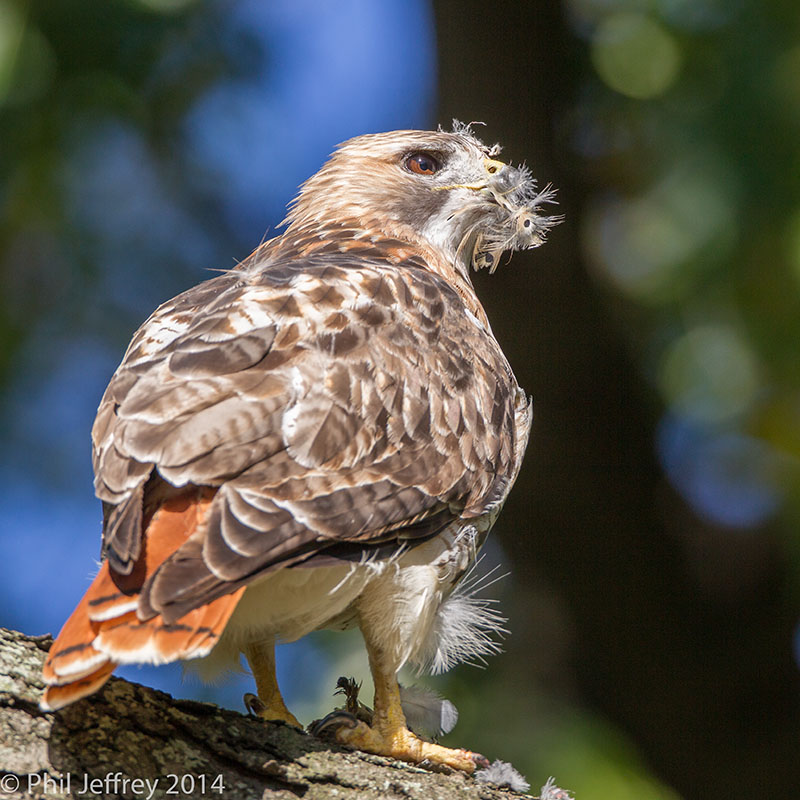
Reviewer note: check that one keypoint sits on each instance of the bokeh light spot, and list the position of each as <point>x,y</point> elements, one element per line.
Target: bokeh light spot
<point>710,374</point>
<point>728,478</point>
<point>635,55</point>
<point>644,244</point>
<point>636,245</point>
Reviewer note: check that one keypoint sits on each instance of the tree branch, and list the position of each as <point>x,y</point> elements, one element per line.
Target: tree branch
<point>127,731</point>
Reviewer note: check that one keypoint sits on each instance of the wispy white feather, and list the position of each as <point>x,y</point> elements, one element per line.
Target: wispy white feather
<point>501,773</point>
<point>552,792</point>
<point>465,628</point>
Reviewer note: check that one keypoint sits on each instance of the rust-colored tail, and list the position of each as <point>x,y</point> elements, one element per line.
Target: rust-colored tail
<point>104,630</point>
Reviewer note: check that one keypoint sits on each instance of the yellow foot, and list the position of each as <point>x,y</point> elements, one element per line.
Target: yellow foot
<point>399,743</point>
<point>274,713</point>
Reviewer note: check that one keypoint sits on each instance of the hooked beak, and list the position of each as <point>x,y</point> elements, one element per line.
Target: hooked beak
<point>492,168</point>
<point>501,181</point>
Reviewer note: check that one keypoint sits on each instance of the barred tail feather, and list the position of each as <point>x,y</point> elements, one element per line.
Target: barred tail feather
<point>105,631</point>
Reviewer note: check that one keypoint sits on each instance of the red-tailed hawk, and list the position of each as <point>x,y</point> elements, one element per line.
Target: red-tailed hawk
<point>321,437</point>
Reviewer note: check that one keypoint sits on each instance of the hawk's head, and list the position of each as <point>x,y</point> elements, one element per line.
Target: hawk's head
<point>438,188</point>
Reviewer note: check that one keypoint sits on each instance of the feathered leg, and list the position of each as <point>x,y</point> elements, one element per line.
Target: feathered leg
<point>269,704</point>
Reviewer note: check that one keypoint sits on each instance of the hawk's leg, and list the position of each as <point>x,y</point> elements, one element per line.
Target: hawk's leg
<point>389,735</point>
<point>269,705</point>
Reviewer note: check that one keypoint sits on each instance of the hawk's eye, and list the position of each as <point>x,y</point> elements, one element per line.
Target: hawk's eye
<point>422,164</point>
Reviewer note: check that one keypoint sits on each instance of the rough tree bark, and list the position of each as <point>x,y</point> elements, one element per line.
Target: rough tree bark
<point>130,731</point>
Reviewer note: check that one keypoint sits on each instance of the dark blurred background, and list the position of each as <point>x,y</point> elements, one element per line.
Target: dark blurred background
<point>652,536</point>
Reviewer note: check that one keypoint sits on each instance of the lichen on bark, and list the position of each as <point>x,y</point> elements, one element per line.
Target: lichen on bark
<point>133,732</point>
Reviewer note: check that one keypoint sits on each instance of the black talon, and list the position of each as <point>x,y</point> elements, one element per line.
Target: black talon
<point>253,704</point>
<point>324,728</point>
<point>480,761</point>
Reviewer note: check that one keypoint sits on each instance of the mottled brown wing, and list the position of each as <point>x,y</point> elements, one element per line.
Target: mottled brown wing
<point>338,404</point>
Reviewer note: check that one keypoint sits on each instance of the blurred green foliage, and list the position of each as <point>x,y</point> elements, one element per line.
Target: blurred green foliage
<point>67,69</point>
<point>661,480</point>
<point>689,128</point>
